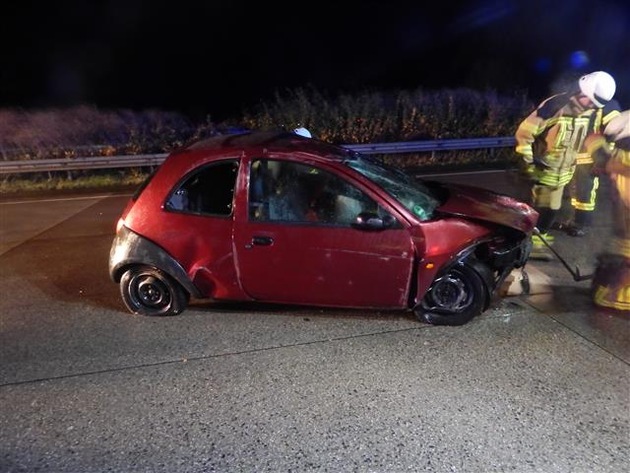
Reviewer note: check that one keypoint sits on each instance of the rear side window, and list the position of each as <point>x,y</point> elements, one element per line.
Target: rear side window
<point>208,190</point>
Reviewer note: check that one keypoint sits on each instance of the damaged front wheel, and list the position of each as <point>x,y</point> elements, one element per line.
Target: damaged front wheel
<point>454,298</point>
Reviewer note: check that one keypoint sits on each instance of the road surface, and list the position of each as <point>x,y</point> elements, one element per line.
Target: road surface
<point>539,383</point>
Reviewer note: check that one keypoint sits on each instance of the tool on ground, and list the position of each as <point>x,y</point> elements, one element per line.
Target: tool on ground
<point>575,273</point>
<point>525,285</point>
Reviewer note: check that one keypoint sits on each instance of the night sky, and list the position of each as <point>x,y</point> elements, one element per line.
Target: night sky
<point>217,58</point>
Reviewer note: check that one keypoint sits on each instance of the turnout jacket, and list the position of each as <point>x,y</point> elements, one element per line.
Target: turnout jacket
<point>615,159</point>
<point>602,119</point>
<point>550,140</point>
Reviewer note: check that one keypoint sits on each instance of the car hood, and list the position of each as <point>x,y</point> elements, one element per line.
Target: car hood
<point>485,205</point>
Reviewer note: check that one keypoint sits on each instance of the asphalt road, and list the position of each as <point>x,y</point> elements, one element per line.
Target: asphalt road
<point>539,383</point>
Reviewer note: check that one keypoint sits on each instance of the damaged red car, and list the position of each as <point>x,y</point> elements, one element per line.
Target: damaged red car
<point>279,218</point>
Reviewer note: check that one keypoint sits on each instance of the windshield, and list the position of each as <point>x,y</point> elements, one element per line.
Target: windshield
<point>413,194</point>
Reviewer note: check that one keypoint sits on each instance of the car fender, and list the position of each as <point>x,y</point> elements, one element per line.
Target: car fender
<point>129,249</point>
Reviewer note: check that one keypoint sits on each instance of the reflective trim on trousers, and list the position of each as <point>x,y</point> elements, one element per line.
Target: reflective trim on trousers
<point>614,298</point>
<point>589,205</point>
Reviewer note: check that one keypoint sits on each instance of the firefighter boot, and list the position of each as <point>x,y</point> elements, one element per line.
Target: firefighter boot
<point>581,222</point>
<point>611,282</point>
<point>540,251</point>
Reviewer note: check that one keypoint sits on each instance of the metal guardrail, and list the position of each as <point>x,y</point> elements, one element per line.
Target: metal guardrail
<point>435,145</point>
<point>146,160</point>
<point>81,163</point>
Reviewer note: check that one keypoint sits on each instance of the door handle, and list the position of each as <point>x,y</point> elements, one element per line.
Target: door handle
<point>262,240</point>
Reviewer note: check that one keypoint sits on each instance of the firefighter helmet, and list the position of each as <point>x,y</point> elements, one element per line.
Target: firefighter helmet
<point>302,132</point>
<point>598,86</point>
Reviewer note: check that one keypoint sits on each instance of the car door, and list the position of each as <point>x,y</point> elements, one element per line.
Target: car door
<point>297,243</point>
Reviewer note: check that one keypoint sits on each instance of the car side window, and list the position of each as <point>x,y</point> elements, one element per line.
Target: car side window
<point>284,191</point>
<point>208,190</point>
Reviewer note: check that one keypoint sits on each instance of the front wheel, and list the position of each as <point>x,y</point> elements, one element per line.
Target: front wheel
<point>454,298</point>
<point>149,291</point>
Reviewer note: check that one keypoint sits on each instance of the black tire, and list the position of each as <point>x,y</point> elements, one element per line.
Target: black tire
<point>454,298</point>
<point>149,291</point>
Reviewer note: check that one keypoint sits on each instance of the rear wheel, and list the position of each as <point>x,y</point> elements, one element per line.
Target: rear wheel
<point>149,291</point>
<point>454,298</point>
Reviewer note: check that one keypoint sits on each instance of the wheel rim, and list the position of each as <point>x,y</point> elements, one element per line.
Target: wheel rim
<point>149,291</point>
<point>449,294</point>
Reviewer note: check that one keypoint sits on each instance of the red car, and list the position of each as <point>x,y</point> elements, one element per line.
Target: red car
<point>278,218</point>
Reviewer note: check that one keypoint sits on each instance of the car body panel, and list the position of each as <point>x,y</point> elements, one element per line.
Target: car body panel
<point>130,249</point>
<point>325,266</point>
<point>443,240</point>
<point>488,206</point>
<point>201,243</point>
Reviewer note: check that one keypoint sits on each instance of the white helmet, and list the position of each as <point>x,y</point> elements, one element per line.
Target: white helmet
<point>598,86</point>
<point>302,132</point>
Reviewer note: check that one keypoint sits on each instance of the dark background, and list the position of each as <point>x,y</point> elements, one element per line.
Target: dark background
<point>211,58</point>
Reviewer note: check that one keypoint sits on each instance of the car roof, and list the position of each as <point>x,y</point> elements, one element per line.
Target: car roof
<point>270,142</point>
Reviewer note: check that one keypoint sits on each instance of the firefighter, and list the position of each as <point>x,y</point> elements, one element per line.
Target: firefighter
<point>581,198</point>
<point>611,282</point>
<point>549,141</point>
